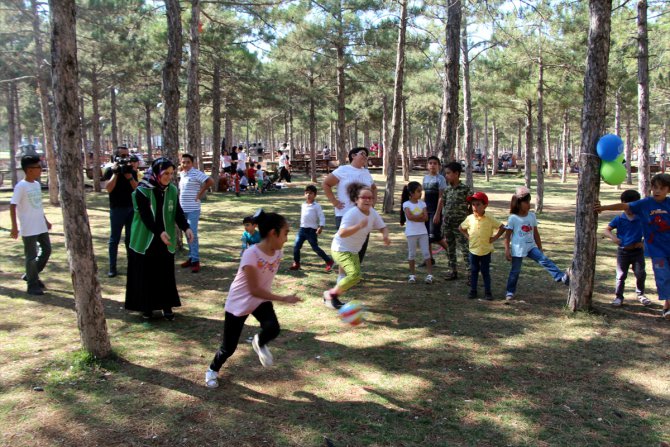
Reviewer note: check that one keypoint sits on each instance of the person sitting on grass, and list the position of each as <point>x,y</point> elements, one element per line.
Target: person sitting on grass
<point>654,211</point>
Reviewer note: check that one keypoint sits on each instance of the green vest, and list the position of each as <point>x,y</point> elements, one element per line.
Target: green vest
<point>140,235</point>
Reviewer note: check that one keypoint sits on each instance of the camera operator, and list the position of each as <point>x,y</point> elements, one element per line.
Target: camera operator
<point>122,181</point>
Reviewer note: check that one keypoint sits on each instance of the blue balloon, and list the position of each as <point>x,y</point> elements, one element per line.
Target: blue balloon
<point>609,147</point>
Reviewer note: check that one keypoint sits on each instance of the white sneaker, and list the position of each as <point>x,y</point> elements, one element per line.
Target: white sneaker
<point>412,279</point>
<point>429,279</point>
<point>644,300</point>
<point>509,296</point>
<point>211,379</point>
<point>264,354</point>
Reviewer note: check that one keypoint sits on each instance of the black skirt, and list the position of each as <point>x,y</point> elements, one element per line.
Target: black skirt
<point>151,283</point>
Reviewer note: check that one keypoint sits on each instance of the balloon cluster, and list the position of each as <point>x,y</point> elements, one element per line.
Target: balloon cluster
<point>610,151</point>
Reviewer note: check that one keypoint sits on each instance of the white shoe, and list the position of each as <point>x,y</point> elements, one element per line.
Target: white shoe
<point>412,279</point>
<point>211,379</point>
<point>509,297</point>
<point>264,354</point>
<point>429,279</point>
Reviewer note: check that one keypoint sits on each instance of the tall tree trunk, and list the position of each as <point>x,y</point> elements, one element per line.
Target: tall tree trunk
<point>629,151</point>
<point>193,90</point>
<point>11,130</point>
<point>405,143</point>
<point>386,160</point>
<point>485,153</point>
<point>341,98</point>
<point>528,150</point>
<point>216,124</point>
<point>664,145</point>
<point>539,149</point>
<point>312,128</point>
<point>617,113</point>
<point>397,110</point>
<point>78,241</point>
<point>95,124</point>
<point>468,131</point>
<point>43,96</point>
<point>451,87</point>
<point>518,140</point>
<point>643,174</point>
<point>147,128</point>
<point>291,143</point>
<point>593,126</point>
<point>366,134</point>
<point>115,131</point>
<point>228,127</point>
<point>494,158</point>
<point>565,168</point>
<point>170,88</point>
<point>550,158</point>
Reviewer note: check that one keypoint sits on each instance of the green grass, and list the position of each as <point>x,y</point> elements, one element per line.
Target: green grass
<point>428,368</point>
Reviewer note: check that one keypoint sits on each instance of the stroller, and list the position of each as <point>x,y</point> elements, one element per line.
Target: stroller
<point>270,182</point>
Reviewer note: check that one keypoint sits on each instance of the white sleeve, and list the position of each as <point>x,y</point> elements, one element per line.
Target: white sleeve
<point>18,194</point>
<point>378,222</point>
<point>322,217</point>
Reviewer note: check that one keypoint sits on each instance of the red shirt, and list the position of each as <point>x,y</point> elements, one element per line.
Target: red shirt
<point>251,173</point>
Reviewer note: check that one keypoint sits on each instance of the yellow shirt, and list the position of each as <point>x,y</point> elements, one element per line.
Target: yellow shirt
<point>480,229</point>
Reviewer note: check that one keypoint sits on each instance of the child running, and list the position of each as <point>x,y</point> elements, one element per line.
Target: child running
<point>250,293</point>
<point>251,236</point>
<point>630,251</point>
<point>654,211</point>
<point>357,223</point>
<point>312,221</point>
<point>415,214</point>
<point>522,239</point>
<point>480,231</point>
<point>455,210</point>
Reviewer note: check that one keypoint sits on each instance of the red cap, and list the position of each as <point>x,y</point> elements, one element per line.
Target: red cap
<point>479,196</point>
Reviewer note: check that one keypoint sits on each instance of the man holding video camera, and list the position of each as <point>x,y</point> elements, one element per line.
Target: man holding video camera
<point>121,179</point>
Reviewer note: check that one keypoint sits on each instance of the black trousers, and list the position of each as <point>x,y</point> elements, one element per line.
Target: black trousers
<point>232,329</point>
<point>624,260</point>
<point>284,174</point>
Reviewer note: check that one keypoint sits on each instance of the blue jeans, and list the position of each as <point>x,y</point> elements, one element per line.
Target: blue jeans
<point>309,235</point>
<point>536,255</point>
<point>36,257</point>
<point>193,217</point>
<point>119,218</point>
<point>480,264</point>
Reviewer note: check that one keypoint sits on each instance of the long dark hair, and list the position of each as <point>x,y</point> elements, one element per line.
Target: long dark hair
<point>522,195</point>
<point>268,222</point>
<point>407,191</point>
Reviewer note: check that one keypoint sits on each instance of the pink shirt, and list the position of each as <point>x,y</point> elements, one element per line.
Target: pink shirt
<point>240,301</point>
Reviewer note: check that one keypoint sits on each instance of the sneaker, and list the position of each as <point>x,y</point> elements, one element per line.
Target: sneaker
<point>666,314</point>
<point>472,295</point>
<point>488,296</point>
<point>644,300</point>
<point>451,276</point>
<point>412,279</point>
<point>264,354</point>
<point>211,378</point>
<point>429,279</point>
<point>186,263</point>
<point>329,266</point>
<point>295,266</point>
<point>112,273</point>
<point>330,301</point>
<point>617,302</point>
<point>566,277</point>
<point>509,296</point>
<point>195,267</point>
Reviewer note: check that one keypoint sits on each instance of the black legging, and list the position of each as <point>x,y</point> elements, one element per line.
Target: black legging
<point>232,329</point>
<point>284,174</point>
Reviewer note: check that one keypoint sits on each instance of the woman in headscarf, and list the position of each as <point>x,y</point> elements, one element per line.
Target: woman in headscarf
<point>151,281</point>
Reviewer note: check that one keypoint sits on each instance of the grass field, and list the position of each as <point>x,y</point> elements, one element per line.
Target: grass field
<point>428,368</point>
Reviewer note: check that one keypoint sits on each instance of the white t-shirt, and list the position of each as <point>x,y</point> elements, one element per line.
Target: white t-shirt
<point>311,216</point>
<point>240,301</point>
<point>241,158</point>
<point>225,161</point>
<point>282,161</point>
<point>354,243</point>
<point>260,175</point>
<point>523,239</point>
<point>348,174</point>
<point>415,228</point>
<point>28,200</point>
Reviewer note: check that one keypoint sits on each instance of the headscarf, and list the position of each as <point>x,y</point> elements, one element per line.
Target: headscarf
<point>152,176</point>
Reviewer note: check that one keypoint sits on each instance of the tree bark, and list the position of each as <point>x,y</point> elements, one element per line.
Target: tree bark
<point>449,122</point>
<point>341,105</point>
<point>485,152</point>
<point>468,131</point>
<point>494,158</point>
<point>83,269</point>
<point>397,109</point>
<point>617,113</point>
<point>664,145</point>
<point>550,159</point>
<point>539,149</point>
<point>643,174</point>
<point>312,128</point>
<point>592,128</point>
<point>115,130</point>
<point>385,140</point>
<point>628,151</point>
<point>528,150</point>
<point>11,130</point>
<point>565,168</point>
<point>147,128</point>
<point>216,124</point>
<point>405,143</point>
<point>193,90</point>
<point>95,124</point>
<point>170,87</point>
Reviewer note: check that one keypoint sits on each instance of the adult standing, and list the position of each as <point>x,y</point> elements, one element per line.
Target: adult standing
<point>121,182</point>
<point>226,161</point>
<point>151,283</point>
<point>193,184</point>
<point>284,165</point>
<point>233,160</point>
<point>355,172</point>
<point>242,160</point>
<point>326,158</point>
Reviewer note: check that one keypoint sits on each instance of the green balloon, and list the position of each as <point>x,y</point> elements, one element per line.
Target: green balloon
<point>619,159</point>
<point>613,172</point>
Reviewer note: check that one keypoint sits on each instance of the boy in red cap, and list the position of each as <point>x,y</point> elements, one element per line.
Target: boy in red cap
<point>481,230</point>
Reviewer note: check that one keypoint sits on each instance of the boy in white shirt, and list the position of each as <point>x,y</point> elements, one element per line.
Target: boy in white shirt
<point>27,203</point>
<point>312,221</point>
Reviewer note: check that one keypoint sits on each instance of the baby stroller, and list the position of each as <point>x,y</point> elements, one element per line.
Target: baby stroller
<point>270,181</point>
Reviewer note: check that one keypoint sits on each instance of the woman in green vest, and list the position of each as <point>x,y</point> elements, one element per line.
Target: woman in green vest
<point>151,283</point>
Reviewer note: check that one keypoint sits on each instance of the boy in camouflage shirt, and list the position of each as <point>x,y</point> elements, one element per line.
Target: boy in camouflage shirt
<point>455,210</point>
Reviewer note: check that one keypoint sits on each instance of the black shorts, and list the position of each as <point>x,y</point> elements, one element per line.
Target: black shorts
<point>434,230</point>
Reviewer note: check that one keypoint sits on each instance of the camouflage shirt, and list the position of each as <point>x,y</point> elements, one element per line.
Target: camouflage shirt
<point>455,201</point>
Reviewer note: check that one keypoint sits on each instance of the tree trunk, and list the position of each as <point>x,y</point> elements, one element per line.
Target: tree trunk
<point>485,152</point>
<point>664,145</point>
<point>193,90</point>
<point>115,131</point>
<point>95,124</point>
<point>147,128</point>
<point>385,141</point>
<point>366,134</point>
<point>11,130</point>
<point>528,150</point>
<point>628,151</point>
<point>291,143</point>
<point>397,110</point>
<point>216,124</point>
<point>468,132</point>
<point>312,128</point>
<point>170,88</point>
<point>565,168</point>
<point>550,158</point>
<point>405,143</point>
<point>539,149</point>
<point>494,158</point>
<point>643,174</point>
<point>593,126</point>
<point>228,127</point>
<point>78,242</point>
<point>518,140</point>
<point>617,113</point>
<point>341,105</point>
<point>449,122</point>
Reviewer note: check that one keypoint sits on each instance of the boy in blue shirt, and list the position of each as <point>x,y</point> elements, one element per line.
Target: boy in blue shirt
<point>251,235</point>
<point>628,238</point>
<point>654,212</point>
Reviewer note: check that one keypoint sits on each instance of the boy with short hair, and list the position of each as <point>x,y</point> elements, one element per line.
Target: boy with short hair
<point>654,212</point>
<point>260,178</point>
<point>251,235</point>
<point>630,250</point>
<point>480,231</point>
<point>312,221</point>
<point>27,204</point>
<point>434,185</point>
<point>454,211</point>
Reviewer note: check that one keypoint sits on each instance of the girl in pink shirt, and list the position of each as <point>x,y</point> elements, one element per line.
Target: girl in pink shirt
<point>250,294</point>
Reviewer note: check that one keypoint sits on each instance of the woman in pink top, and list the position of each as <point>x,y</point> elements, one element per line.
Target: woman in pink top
<point>250,294</point>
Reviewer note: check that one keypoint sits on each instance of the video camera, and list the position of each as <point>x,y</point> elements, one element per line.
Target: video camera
<point>122,165</point>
